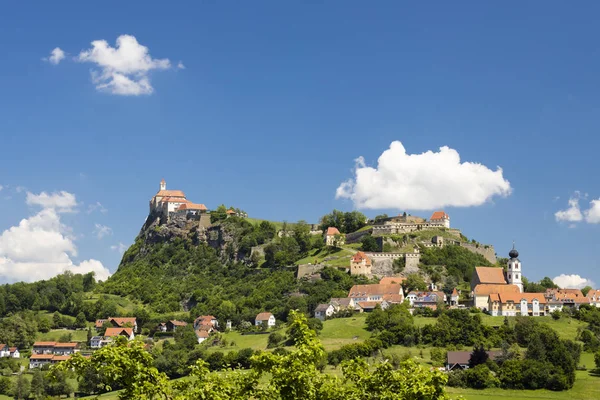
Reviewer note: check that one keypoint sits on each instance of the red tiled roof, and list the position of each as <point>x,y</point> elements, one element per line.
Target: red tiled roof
<point>41,357</point>
<point>263,316</point>
<point>192,206</point>
<point>367,304</point>
<point>363,290</point>
<point>12,349</point>
<point>65,345</point>
<point>593,293</point>
<point>170,193</point>
<point>517,297</point>
<point>44,344</point>
<point>202,334</point>
<point>332,230</point>
<point>439,215</point>
<point>490,275</point>
<point>112,332</point>
<point>360,256</point>
<point>454,292</point>
<point>178,323</point>
<point>393,298</point>
<point>100,322</point>
<point>230,212</point>
<point>174,200</point>
<point>120,321</point>
<point>60,358</point>
<point>388,280</point>
<point>486,289</point>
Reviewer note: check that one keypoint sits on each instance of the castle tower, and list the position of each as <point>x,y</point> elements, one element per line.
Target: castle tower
<point>514,273</point>
<point>163,185</point>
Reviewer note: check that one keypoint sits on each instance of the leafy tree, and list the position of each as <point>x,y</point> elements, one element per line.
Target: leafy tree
<point>57,320</point>
<point>380,218</point>
<point>5,385</point>
<point>21,387</point>
<point>89,282</point>
<point>398,264</point>
<point>414,281</point>
<point>585,290</point>
<point>345,222</point>
<point>80,321</point>
<point>368,243</point>
<point>480,377</point>
<point>58,385</point>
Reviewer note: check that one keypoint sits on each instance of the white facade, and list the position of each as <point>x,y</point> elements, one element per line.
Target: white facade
<point>322,315</point>
<point>514,273</point>
<point>270,321</point>
<point>4,352</point>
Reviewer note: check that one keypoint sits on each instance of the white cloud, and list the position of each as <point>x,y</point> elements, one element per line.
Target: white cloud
<point>1,187</point>
<point>572,213</point>
<point>62,202</point>
<point>119,247</point>
<point>592,215</point>
<point>572,281</point>
<point>180,65</point>
<point>40,247</point>
<point>123,69</point>
<point>422,181</point>
<point>101,231</point>
<point>56,56</point>
<point>96,207</point>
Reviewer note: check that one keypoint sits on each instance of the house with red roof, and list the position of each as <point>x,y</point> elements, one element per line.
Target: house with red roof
<point>333,237</point>
<point>360,264</point>
<point>173,202</point>
<point>265,318</point>
<point>440,217</point>
<point>116,332</point>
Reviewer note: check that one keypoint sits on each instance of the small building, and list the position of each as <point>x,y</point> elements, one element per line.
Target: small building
<point>171,326</point>
<point>4,350</point>
<point>333,237</point>
<point>513,304</point>
<point>14,352</point>
<point>202,335</point>
<point>265,318</point>
<point>440,217</point>
<point>116,332</point>
<point>460,359</point>
<point>368,306</point>
<point>206,320</point>
<point>594,297</point>
<point>65,349</point>
<point>342,304</point>
<point>190,209</point>
<point>43,348</point>
<point>374,292</point>
<point>118,322</point>
<point>39,360</point>
<point>482,292</point>
<point>323,311</point>
<point>454,297</point>
<point>360,264</point>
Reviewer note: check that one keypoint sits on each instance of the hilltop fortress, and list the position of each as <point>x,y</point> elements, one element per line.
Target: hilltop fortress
<point>167,205</point>
<point>407,223</point>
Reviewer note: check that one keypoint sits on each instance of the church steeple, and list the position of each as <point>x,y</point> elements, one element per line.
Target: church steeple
<point>163,185</point>
<point>514,273</point>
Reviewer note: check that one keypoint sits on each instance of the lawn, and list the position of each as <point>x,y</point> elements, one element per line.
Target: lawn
<point>54,335</point>
<point>236,341</point>
<point>339,257</point>
<point>340,331</point>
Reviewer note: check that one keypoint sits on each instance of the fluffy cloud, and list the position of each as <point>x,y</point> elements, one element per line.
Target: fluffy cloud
<point>119,247</point>
<point>123,69</point>
<point>180,65</point>
<point>102,230</point>
<point>63,202</point>
<point>572,213</point>
<point>422,181</point>
<point>572,281</point>
<point>41,247</point>
<point>56,56</point>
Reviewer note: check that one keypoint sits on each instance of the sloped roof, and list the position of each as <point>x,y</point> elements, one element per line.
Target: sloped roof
<point>192,206</point>
<point>363,290</point>
<point>454,292</point>
<point>439,215</point>
<point>322,307</point>
<point>393,298</point>
<point>360,256</point>
<point>230,212</point>
<point>388,280</point>
<point>112,332</point>
<point>100,322</point>
<point>124,320</point>
<point>178,323</point>
<point>264,316</point>
<point>573,292</point>
<point>341,301</point>
<point>174,199</point>
<point>517,297</point>
<point>490,275</point>
<point>332,230</point>
<point>41,357</point>
<point>170,193</point>
<point>487,289</point>
<point>66,345</point>
<point>202,334</point>
<point>367,304</point>
<point>44,344</point>
<point>593,293</point>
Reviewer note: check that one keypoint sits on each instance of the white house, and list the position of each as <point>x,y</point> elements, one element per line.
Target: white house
<point>202,335</point>
<point>14,352</point>
<point>594,297</point>
<point>323,311</point>
<point>513,304</point>
<point>97,342</point>
<point>265,317</point>
<point>440,217</point>
<point>4,350</point>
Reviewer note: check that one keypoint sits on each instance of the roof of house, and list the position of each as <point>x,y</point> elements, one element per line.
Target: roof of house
<point>173,199</point>
<point>322,307</point>
<point>44,344</point>
<point>463,357</point>
<point>202,334</point>
<point>487,289</point>
<point>41,357</point>
<point>388,280</point>
<point>230,212</point>
<point>573,292</point>
<point>332,230</point>
<point>205,327</point>
<point>192,206</point>
<point>100,322</point>
<point>204,319</point>
<point>593,293</point>
<point>60,358</point>
<point>66,345</point>
<point>2,346</point>
<point>367,304</point>
<point>264,316</point>
<point>517,297</point>
<point>170,193</point>
<point>393,298</point>
<point>124,320</point>
<point>178,323</point>
<point>111,332</point>
<point>360,256</point>
<point>376,288</point>
<point>439,215</point>
<point>490,275</point>
<point>454,292</point>
<point>13,349</point>
<point>96,338</point>
<point>341,301</point>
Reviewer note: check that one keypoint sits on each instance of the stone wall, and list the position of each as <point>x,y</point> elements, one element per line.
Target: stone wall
<point>411,260</point>
<point>397,228</point>
<point>356,237</point>
<point>305,270</point>
<point>486,250</point>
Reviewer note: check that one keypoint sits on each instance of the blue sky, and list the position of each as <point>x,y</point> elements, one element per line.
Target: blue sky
<point>277,100</point>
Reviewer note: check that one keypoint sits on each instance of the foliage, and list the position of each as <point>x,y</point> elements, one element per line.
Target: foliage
<point>478,356</point>
<point>368,243</point>
<point>345,222</point>
<point>460,262</point>
<point>414,281</point>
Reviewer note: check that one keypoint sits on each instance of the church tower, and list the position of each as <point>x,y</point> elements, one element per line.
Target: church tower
<point>163,185</point>
<point>514,272</point>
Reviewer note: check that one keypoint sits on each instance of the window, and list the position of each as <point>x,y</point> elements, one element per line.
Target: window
<point>516,276</point>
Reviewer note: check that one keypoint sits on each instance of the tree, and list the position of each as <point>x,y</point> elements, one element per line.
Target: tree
<point>5,385</point>
<point>89,281</point>
<point>368,243</point>
<point>380,218</point>
<point>414,282</point>
<point>80,321</point>
<point>21,387</point>
<point>37,385</point>
<point>398,265</point>
<point>585,290</point>
<point>56,320</point>
<point>478,356</point>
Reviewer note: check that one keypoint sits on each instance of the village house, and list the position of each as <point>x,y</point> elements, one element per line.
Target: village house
<point>482,293</point>
<point>4,350</point>
<point>594,297</point>
<point>14,352</point>
<point>116,332</point>
<point>55,348</point>
<point>98,342</point>
<point>360,264</point>
<point>323,311</point>
<point>513,304</point>
<point>333,237</point>
<point>118,322</point>
<point>202,335</point>
<point>500,281</point>
<point>265,318</point>
<point>40,360</point>
<point>460,359</point>
<point>428,299</point>
<point>454,297</point>
<point>366,297</point>
<point>189,209</point>
<point>572,298</point>
<point>440,217</point>
<point>341,304</point>
<point>171,326</point>
<point>206,320</point>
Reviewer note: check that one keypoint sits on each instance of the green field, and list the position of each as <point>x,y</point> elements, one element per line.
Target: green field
<point>340,331</point>
<point>340,257</point>
<point>79,335</point>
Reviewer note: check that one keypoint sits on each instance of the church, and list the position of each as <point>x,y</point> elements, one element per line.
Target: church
<point>166,202</point>
<point>490,280</point>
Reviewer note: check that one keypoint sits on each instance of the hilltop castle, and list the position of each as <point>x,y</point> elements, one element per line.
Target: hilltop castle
<point>169,203</point>
<point>407,223</point>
